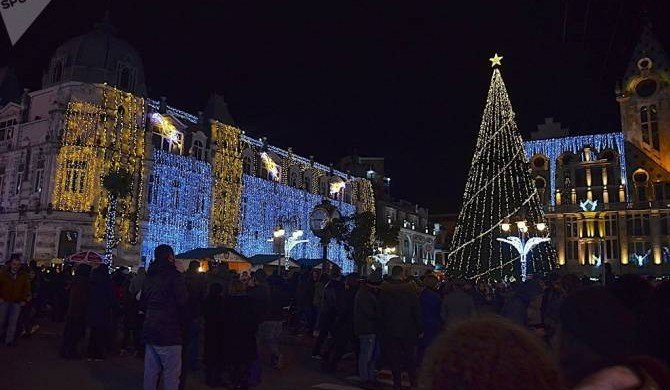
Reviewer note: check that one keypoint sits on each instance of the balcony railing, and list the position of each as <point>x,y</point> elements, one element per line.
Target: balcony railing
<point>616,206</point>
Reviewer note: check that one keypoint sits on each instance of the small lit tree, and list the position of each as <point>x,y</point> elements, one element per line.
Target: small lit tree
<point>355,233</point>
<point>118,184</point>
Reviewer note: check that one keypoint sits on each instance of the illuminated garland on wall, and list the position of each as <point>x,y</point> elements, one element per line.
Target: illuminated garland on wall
<point>123,126</point>
<point>268,204</point>
<point>178,203</point>
<point>499,187</point>
<point>79,162</point>
<point>97,139</point>
<point>553,148</point>
<point>227,185</point>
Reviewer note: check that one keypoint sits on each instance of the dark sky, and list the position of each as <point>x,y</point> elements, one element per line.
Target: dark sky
<point>403,80</point>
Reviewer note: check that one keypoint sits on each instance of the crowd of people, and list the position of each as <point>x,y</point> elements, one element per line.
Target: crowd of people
<point>554,332</point>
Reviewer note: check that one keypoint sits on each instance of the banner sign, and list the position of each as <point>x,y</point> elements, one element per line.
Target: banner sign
<point>18,15</point>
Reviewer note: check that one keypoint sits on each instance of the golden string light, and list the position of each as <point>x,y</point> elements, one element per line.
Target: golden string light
<point>95,139</point>
<point>227,182</point>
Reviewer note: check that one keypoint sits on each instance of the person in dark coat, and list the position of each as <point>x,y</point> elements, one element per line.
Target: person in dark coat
<point>75,320</point>
<point>163,299</point>
<point>196,286</point>
<point>99,315</point>
<point>332,294</point>
<point>239,334</point>
<point>431,303</point>
<point>343,329</point>
<point>458,305</point>
<point>212,311</point>
<point>400,314</point>
<point>366,326</point>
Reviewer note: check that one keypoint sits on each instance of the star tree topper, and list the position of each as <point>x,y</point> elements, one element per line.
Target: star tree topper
<point>496,60</point>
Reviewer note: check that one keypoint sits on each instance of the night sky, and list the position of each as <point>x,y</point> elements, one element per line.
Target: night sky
<point>402,80</point>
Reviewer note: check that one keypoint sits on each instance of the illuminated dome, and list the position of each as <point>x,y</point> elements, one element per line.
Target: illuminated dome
<point>97,57</point>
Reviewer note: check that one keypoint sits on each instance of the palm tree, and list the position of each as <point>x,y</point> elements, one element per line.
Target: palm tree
<point>118,184</point>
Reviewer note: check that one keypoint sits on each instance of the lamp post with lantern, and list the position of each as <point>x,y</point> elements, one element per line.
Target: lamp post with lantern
<point>289,242</point>
<point>384,256</point>
<point>523,243</point>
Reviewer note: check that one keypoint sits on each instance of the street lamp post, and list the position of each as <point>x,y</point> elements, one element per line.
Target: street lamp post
<point>289,242</point>
<point>523,243</point>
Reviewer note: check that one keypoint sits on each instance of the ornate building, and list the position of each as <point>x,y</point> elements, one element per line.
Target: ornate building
<point>608,195</point>
<point>197,181</point>
<point>416,237</point>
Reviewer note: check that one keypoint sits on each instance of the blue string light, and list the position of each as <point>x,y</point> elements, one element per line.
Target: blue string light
<point>267,204</point>
<point>553,148</point>
<point>178,203</point>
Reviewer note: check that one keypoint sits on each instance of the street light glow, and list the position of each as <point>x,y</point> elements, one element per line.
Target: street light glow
<point>505,226</point>
<point>541,226</point>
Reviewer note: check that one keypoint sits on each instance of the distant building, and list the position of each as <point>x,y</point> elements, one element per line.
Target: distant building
<point>444,225</point>
<point>416,239</point>
<point>607,196</point>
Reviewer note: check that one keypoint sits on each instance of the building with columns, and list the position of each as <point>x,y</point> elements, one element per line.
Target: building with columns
<point>197,180</point>
<point>607,196</point>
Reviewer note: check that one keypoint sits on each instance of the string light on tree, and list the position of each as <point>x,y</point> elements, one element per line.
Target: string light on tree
<point>499,188</point>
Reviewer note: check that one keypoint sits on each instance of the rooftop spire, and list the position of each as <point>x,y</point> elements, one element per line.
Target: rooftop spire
<point>647,47</point>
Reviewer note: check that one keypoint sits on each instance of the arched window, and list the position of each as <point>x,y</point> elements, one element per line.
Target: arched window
<point>323,186</point>
<point>294,179</point>
<point>125,79</point>
<point>539,162</point>
<point>198,149</point>
<point>247,166</point>
<point>57,72</point>
<point>641,179</point>
<point>307,182</point>
<point>406,248</point>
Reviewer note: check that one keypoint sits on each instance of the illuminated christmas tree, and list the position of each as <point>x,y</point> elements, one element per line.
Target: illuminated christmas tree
<point>501,212</point>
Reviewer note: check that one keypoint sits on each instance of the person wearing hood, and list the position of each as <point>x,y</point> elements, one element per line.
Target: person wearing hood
<point>239,334</point>
<point>400,315</point>
<point>458,305</point>
<point>163,299</point>
<point>366,326</point>
<point>75,319</point>
<point>431,303</point>
<point>99,316</point>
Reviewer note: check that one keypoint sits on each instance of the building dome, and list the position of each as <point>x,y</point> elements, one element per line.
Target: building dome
<point>97,57</point>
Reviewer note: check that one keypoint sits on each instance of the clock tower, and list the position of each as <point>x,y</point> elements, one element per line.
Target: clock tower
<point>644,103</point>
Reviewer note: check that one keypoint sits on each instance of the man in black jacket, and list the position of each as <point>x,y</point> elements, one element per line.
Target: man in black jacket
<point>400,315</point>
<point>162,299</point>
<point>332,299</point>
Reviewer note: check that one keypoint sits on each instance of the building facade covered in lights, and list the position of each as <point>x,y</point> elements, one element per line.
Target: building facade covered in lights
<point>198,181</point>
<point>607,196</point>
